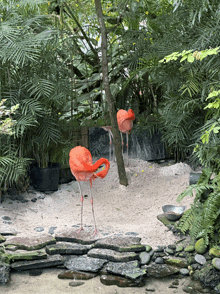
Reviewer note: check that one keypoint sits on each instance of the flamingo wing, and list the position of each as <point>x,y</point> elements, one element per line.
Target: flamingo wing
<point>125,119</point>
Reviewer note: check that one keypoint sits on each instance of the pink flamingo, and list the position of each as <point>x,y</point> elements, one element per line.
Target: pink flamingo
<point>125,123</point>
<point>81,166</point>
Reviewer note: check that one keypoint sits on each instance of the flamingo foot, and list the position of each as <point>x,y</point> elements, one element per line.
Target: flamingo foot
<point>79,230</point>
<point>95,232</point>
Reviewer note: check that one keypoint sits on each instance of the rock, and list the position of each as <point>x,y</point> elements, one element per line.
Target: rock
<point>200,246</point>
<point>121,244</point>
<point>84,237</point>
<point>11,247</point>
<point>6,218</point>
<point>110,280</point>
<point>76,284</point>
<point>35,272</point>
<point>112,255</point>
<point>144,258</point>
<point>23,255</point>
<point>7,231</point>
<point>148,248</point>
<point>131,233</point>
<point>84,263</point>
<point>128,269</point>
<point>51,230</point>
<point>195,287</point>
<point>200,259</point>
<point>184,271</point>
<point>39,229</point>
<point>159,260</point>
<point>67,248</point>
<point>172,246</point>
<point>208,275</point>
<point>189,248</point>
<point>4,273</point>
<point>2,239</point>
<point>31,243</point>
<point>177,262</point>
<point>179,248</point>
<point>76,275</point>
<point>160,249</point>
<point>53,260</point>
<point>160,270</point>
<point>216,263</point>
<point>170,251</point>
<point>213,252</point>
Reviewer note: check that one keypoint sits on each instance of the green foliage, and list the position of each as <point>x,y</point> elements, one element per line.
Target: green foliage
<point>202,220</point>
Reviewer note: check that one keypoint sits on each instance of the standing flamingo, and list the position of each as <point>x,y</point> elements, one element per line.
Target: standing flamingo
<point>81,166</point>
<point>125,123</point>
<point>109,130</point>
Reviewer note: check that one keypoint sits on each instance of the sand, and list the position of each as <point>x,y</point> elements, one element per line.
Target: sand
<point>119,210</point>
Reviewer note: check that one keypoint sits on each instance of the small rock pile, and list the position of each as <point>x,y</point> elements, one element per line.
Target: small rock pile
<point>119,260</point>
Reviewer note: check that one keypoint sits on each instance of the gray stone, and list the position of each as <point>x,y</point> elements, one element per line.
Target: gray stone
<point>76,284</point>
<point>31,243</point>
<point>39,229</point>
<point>216,263</point>
<point>6,218</point>
<point>67,248</point>
<point>121,244</point>
<point>112,255</point>
<point>51,230</point>
<point>184,271</point>
<point>159,260</point>
<point>82,237</point>
<point>160,270</point>
<point>129,269</point>
<point>148,248</point>
<point>35,272</point>
<point>179,248</point>
<point>200,259</point>
<point>4,273</point>
<point>131,233</point>
<point>144,258</point>
<point>170,251</point>
<point>7,231</point>
<point>84,263</point>
<point>53,260</point>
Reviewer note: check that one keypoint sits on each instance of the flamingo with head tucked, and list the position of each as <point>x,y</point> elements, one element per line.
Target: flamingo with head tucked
<point>81,166</point>
<point>125,123</point>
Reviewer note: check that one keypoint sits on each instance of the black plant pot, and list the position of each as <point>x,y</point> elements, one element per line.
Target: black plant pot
<point>45,179</point>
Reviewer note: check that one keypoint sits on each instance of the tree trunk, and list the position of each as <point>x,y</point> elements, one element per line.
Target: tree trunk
<point>112,111</point>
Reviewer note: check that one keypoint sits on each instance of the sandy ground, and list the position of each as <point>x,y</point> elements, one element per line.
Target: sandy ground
<point>118,210</point>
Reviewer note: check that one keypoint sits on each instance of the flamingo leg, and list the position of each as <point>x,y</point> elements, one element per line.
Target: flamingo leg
<point>81,199</point>
<point>96,231</point>
<point>127,145</point>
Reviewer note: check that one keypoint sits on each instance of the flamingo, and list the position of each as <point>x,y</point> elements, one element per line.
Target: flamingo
<point>125,123</point>
<point>109,130</point>
<point>81,166</point>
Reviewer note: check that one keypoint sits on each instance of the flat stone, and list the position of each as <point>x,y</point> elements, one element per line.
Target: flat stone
<point>121,244</point>
<point>51,230</point>
<point>67,248</point>
<point>177,262</point>
<point>11,247</point>
<point>144,258</point>
<point>7,231</point>
<point>112,255</point>
<point>129,269</point>
<point>82,237</point>
<point>76,275</point>
<point>84,263</point>
<point>2,239</point>
<point>110,280</point>
<point>51,261</point>
<point>31,243</point>
<point>11,256</point>
<point>184,271</point>
<point>160,270</point>
<point>4,273</point>
<point>159,260</point>
<point>76,284</point>
<point>200,259</point>
<point>35,272</point>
